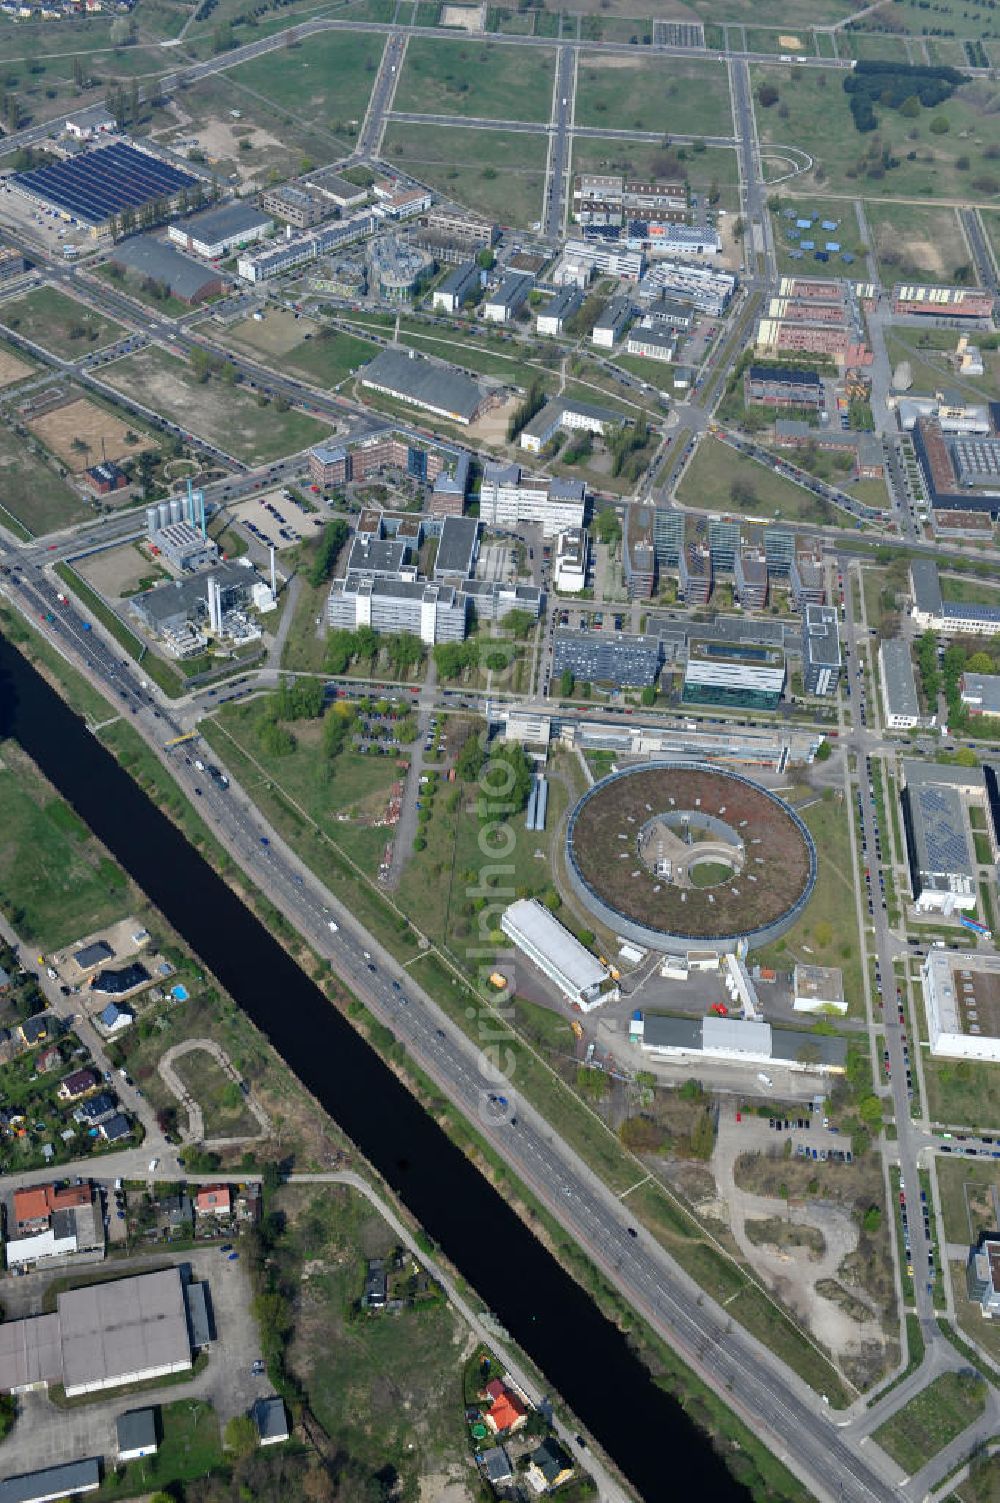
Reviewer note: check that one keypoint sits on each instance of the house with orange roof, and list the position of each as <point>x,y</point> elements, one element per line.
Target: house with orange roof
<point>506,1412</point>
<point>214,1200</point>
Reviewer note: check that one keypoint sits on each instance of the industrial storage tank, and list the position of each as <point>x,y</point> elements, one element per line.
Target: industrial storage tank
<point>163,514</point>
<point>176,509</point>
<point>152,518</point>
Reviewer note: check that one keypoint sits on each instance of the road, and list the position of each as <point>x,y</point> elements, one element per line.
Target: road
<point>557,183</point>
<point>792,1419</point>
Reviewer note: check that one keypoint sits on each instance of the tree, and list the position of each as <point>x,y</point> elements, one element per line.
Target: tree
<point>509,777</point>
<point>470,757</point>
<point>607,526</point>
<point>566,683</point>
<point>980,662</point>
<point>742,492</point>
<point>767,95</point>
<point>241,1435</point>
<point>334,537</point>
<point>649,695</point>
<point>940,125</point>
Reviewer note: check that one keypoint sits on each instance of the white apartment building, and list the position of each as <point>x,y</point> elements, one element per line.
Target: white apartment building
<point>508,497</point>
<point>570,570</point>
<point>432,612</point>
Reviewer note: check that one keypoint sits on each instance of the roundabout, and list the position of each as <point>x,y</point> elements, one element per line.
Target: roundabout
<point>670,854</point>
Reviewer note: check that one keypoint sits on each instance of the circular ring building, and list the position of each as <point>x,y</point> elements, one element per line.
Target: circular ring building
<point>679,854</point>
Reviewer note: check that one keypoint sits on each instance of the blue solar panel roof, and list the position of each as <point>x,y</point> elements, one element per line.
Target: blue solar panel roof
<point>97,184</point>
<point>808,245</point>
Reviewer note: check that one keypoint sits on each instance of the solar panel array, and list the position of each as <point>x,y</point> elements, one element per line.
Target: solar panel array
<point>98,184</point>
<point>944,836</point>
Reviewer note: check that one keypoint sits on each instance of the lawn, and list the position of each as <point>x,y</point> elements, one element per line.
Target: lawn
<point>63,325</point>
<point>790,13</point>
<point>134,283</point>
<point>56,883</point>
<point>488,79</point>
<point>31,491</point>
<point>190,1449</point>
<point>716,468</point>
<point>932,1419</point>
<point>220,1099</point>
<point>925,244</point>
<point>494,172</point>
<point>812,113</point>
<point>227,416</point>
<point>827,934</point>
<point>680,95</point>
<point>326,79</point>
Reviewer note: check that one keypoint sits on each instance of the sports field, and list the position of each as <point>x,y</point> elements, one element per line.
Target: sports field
<point>497,173</point>
<point>812,113</point>
<point>488,79</point>
<point>227,416</point>
<point>682,96</point>
<point>63,325</point>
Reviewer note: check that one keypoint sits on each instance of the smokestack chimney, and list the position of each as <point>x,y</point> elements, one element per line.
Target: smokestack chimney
<point>274,576</point>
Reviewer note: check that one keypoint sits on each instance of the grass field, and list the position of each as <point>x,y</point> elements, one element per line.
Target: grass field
<point>965,1187</point>
<point>31,491</point>
<point>827,933</point>
<point>324,355</point>
<point>716,468</point>
<point>793,14</point>
<point>927,351</point>
<point>962,1093</point>
<point>787,236</point>
<point>390,1390</point>
<point>819,122</point>
<point>684,97</point>
<point>961,588</point>
<point>497,173</point>
<point>327,78</point>
<point>648,159</point>
<point>189,1450</point>
<point>932,1419</point>
<point>220,1099</point>
<point>63,325</point>
<point>133,283</point>
<point>56,884</point>
<point>476,77</point>
<point>227,416</point>
<point>925,244</point>
<point>353,785</point>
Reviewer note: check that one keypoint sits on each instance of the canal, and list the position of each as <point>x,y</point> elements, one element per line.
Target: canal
<point>582,1354</point>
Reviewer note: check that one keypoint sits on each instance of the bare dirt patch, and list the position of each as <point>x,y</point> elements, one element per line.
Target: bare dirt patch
<point>103,435</point>
<point>790,43</point>
<point>116,570</point>
<point>470,18</point>
<point>12,369</point>
<point>491,428</point>
<point>278,332</point>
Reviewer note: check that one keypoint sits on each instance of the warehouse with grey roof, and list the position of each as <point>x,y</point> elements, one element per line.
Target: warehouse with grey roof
<point>440,389</point>
<point>183,278</point>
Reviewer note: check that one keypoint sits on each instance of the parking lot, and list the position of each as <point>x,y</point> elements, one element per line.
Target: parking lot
<point>275,519</point>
